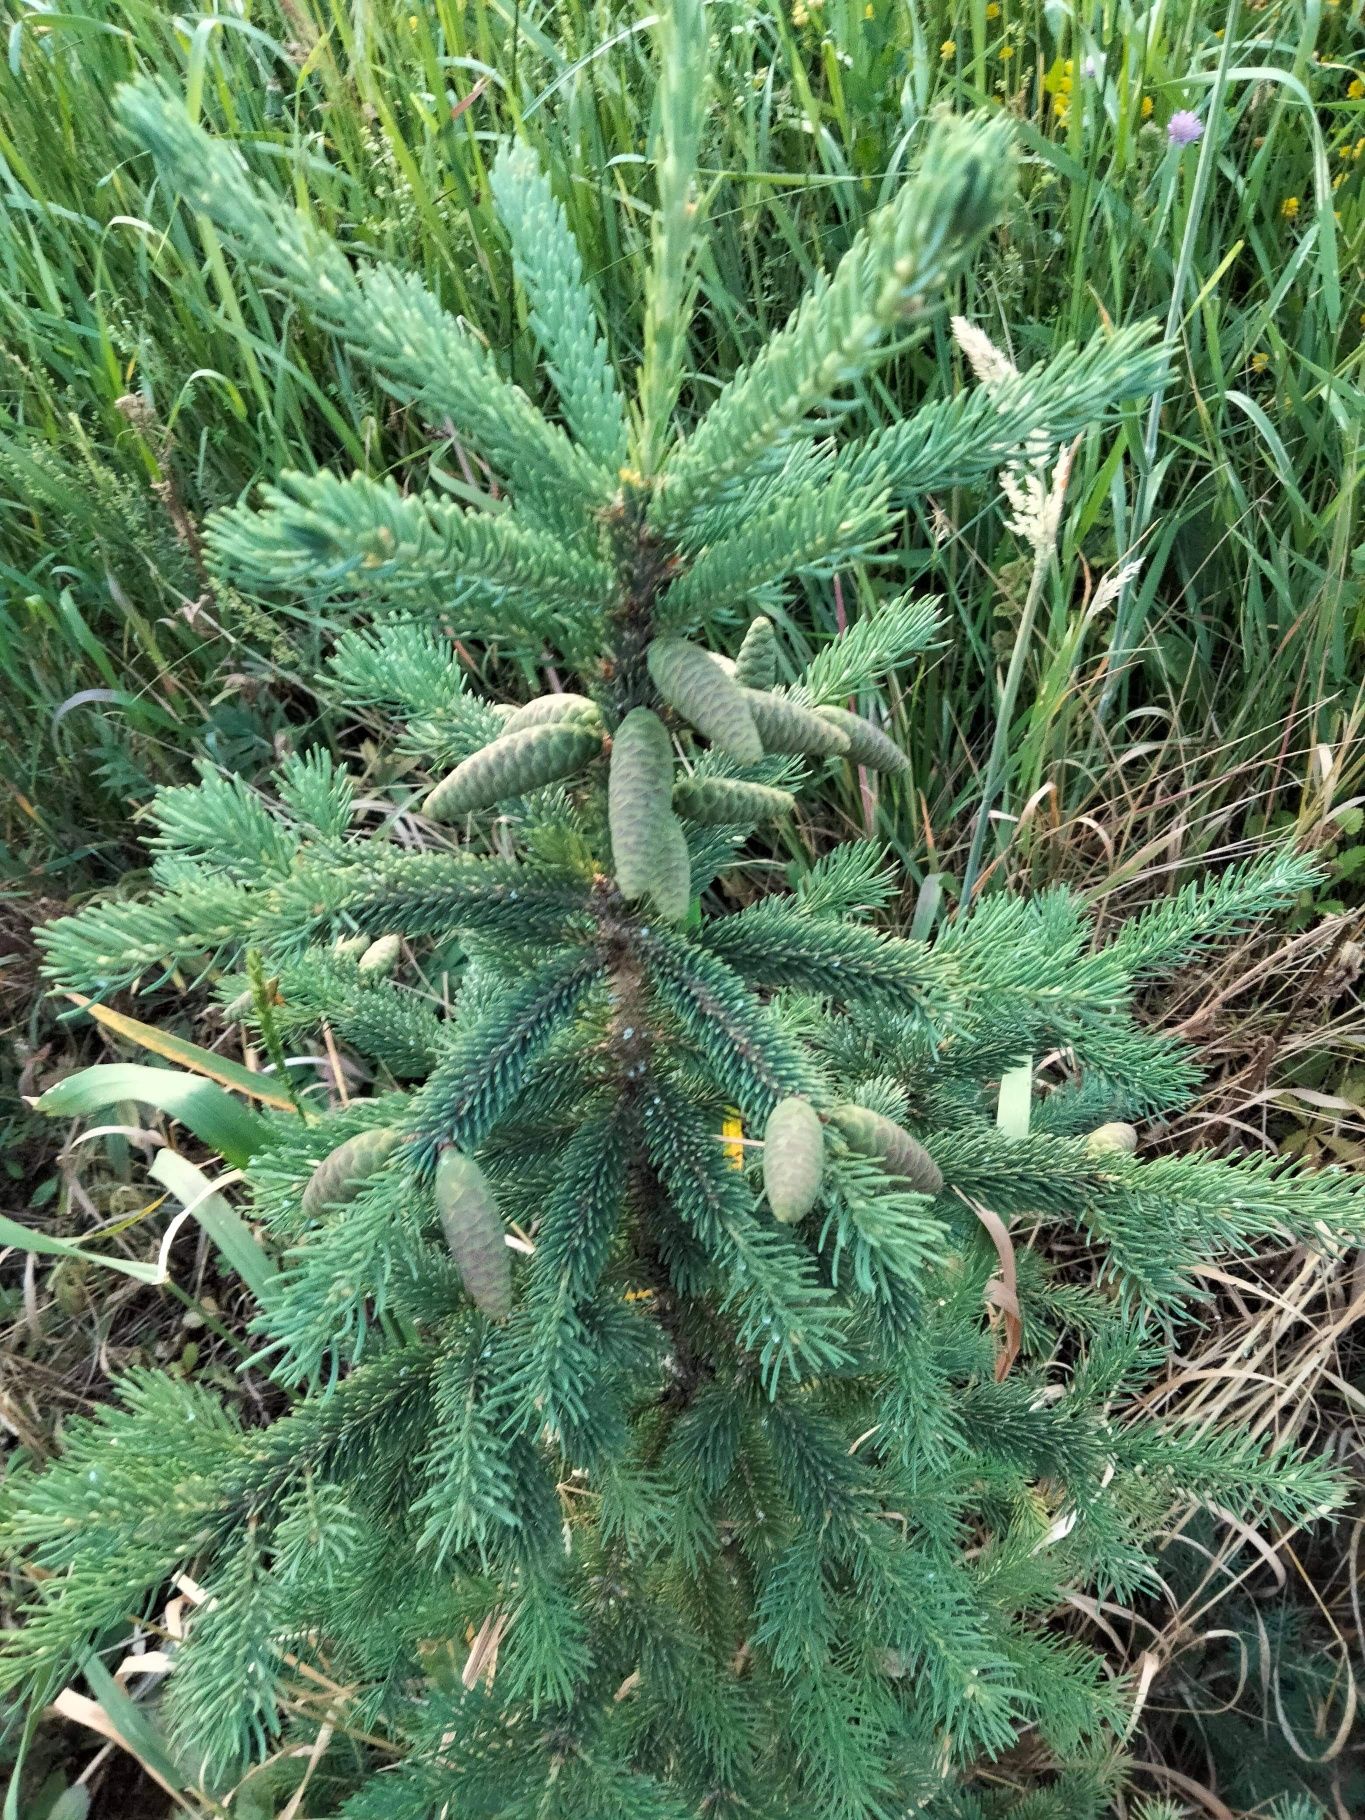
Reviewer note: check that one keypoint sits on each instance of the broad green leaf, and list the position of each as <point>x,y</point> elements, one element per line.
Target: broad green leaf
<point>135,1730</point>
<point>224,1225</point>
<point>12,1233</point>
<point>189,1055</point>
<point>212,1114</point>
<point>72,1804</point>
<point>1016,1092</point>
<point>241,1250</point>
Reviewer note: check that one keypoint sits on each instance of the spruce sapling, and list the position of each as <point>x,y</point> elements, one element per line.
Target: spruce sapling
<point>724,1490</point>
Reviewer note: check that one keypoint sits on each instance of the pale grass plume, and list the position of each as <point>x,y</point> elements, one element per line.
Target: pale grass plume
<point>941,527</point>
<point>1113,584</point>
<point>990,366</point>
<point>1036,500</point>
<point>994,369</point>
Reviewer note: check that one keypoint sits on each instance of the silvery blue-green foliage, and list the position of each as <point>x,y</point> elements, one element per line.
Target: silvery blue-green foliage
<point>671,1508</point>
<point>550,272</point>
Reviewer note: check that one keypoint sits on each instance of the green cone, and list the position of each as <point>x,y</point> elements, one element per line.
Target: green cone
<point>474,1232</point>
<point>872,1135</point>
<point>690,680</point>
<point>513,765</point>
<point>341,1175</point>
<point>793,1159</point>
<point>639,794</point>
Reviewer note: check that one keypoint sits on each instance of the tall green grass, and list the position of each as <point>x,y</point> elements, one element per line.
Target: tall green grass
<point>145,378</point>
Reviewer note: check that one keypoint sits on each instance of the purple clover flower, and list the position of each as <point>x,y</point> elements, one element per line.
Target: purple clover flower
<point>1183,128</point>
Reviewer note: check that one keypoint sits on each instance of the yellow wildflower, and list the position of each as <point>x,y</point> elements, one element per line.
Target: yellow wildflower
<point>947,48</point>
<point>1146,107</point>
<point>1006,52</point>
<point>732,1130</point>
<point>1358,148</point>
<point>1259,362</point>
<point>1357,88</point>
<point>1338,180</point>
<point>992,11</point>
<point>1289,208</point>
<point>869,11</point>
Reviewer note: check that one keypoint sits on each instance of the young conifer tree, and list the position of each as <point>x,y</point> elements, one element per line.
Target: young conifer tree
<point>749,1481</point>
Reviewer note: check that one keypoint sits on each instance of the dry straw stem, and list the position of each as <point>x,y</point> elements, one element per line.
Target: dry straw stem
<point>1037,504</point>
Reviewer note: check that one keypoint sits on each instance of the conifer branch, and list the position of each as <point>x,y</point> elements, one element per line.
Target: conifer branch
<point>219,822</point>
<point>487,1066</point>
<point>771,944</point>
<point>873,649</point>
<point>886,283</point>
<point>372,1015</point>
<point>836,523</point>
<point>468,1492</point>
<point>389,319</point>
<point>555,1361</point>
<point>1231,1470</point>
<point>788,1319</point>
<point>959,442</point>
<point>372,1421</point>
<point>224,1699</point>
<point>315,792</point>
<point>330,537</point>
<point>550,271</point>
<point>110,945</point>
<point>1187,922</point>
<point>753,1062</point>
<point>200,922</point>
<point>682,98</point>
<point>439,894</point>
